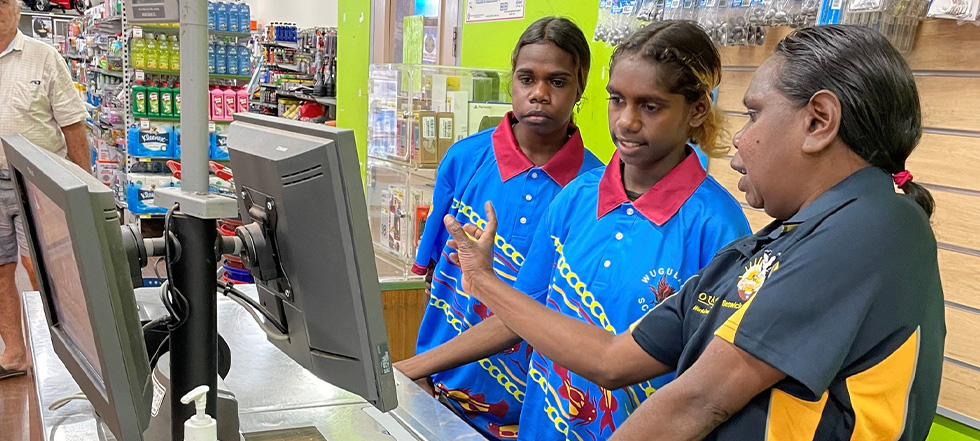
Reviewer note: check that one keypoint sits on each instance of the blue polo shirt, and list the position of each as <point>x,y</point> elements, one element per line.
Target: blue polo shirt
<point>605,260</point>
<point>488,166</point>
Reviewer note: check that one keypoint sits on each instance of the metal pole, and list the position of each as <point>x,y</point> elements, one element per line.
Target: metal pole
<point>194,95</point>
<point>194,342</point>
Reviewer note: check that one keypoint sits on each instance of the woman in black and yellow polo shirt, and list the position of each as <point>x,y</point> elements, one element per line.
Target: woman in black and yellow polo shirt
<point>825,325</point>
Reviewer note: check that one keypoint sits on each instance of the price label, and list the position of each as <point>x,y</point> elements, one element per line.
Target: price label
<point>137,32</point>
<point>144,123</point>
<point>212,127</point>
<point>140,75</point>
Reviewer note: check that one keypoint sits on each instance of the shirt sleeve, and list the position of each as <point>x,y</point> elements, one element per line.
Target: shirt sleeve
<point>66,105</point>
<point>805,317</point>
<point>660,331</point>
<point>534,277</point>
<point>435,235</point>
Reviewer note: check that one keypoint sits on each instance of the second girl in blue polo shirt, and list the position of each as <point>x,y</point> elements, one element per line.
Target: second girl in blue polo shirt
<point>618,241</point>
<point>520,166</point>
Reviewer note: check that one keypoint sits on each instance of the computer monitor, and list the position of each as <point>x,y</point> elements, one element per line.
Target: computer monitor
<point>308,246</point>
<point>73,233</point>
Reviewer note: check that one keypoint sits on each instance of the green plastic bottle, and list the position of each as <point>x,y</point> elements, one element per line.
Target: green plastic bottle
<point>153,100</point>
<point>163,52</point>
<point>139,100</point>
<point>174,53</point>
<point>166,100</point>
<point>138,51</point>
<point>176,92</point>
<point>151,52</point>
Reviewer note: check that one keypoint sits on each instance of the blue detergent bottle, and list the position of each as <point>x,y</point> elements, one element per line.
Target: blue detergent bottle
<point>220,58</point>
<point>211,58</point>
<point>212,20</point>
<point>244,18</point>
<point>233,17</point>
<point>221,15</point>
<point>244,60</point>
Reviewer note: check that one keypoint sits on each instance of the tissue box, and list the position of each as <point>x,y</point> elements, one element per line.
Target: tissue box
<point>139,192</point>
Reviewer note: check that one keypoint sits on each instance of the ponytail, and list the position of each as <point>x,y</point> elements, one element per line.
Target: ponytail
<point>920,195</point>
<point>708,134</point>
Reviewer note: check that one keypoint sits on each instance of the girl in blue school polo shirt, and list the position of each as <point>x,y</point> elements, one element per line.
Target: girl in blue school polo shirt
<point>520,166</point>
<point>618,241</point>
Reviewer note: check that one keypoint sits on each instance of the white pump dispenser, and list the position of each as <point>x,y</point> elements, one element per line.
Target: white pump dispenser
<point>200,427</point>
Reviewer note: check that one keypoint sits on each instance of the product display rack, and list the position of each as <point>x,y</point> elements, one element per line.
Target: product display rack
<point>415,113</point>
<point>122,136</point>
<point>297,73</point>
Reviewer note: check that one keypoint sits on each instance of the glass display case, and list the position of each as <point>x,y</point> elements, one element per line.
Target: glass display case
<point>415,114</point>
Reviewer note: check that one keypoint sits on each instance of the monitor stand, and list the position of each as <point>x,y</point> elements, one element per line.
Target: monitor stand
<point>160,412</point>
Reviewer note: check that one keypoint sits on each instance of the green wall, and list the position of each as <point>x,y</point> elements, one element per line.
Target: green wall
<point>353,59</point>
<point>490,44</point>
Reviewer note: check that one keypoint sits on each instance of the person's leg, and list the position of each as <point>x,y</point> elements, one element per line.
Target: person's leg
<point>25,253</point>
<point>25,259</point>
<point>11,327</point>
<point>14,357</point>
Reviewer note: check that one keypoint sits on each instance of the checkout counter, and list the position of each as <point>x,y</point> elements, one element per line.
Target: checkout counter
<point>274,393</point>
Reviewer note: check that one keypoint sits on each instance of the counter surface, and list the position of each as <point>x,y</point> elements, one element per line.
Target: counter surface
<point>273,391</point>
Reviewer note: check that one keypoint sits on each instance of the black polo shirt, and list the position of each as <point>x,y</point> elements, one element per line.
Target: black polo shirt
<point>844,298</point>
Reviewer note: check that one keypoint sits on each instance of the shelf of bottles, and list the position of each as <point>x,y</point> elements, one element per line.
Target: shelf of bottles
<point>297,73</point>
<point>133,80</point>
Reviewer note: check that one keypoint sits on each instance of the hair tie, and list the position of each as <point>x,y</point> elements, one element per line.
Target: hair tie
<point>902,177</point>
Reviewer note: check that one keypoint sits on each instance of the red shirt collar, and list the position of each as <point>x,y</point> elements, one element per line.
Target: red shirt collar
<point>562,168</point>
<point>661,202</point>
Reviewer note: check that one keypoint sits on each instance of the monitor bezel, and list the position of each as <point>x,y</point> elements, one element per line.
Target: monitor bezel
<point>122,399</point>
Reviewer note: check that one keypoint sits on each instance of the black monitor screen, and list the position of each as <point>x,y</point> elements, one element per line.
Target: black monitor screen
<point>65,284</point>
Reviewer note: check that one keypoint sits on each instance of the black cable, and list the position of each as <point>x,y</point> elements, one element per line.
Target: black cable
<point>228,288</point>
<point>156,268</point>
<point>174,294</point>
<point>157,354</point>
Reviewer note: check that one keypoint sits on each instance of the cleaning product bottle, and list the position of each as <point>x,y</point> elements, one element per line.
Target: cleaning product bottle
<point>220,58</point>
<point>231,60</point>
<point>138,51</point>
<point>244,60</point>
<point>163,52</point>
<point>139,100</point>
<point>217,104</point>
<point>243,98</point>
<point>231,103</point>
<point>212,21</point>
<point>211,57</point>
<point>200,427</point>
<point>153,100</point>
<point>176,91</point>
<point>233,16</point>
<point>151,51</point>
<point>244,18</point>
<point>166,100</point>
<point>221,15</point>
<point>174,53</point>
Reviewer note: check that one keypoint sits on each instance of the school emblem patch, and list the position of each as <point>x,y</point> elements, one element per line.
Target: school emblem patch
<point>755,275</point>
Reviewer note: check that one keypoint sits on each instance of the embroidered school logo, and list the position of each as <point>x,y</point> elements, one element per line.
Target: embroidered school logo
<point>662,283</point>
<point>755,275</point>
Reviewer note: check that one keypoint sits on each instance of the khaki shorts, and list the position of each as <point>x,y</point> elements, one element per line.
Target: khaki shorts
<point>12,238</point>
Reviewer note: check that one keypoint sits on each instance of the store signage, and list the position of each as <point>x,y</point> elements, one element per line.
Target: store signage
<point>494,10</point>
<point>153,11</point>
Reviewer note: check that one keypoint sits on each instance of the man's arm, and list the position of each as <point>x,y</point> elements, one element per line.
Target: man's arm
<point>488,337</point>
<point>722,381</point>
<point>77,142</point>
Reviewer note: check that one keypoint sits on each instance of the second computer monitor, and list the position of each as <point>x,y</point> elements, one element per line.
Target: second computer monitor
<point>299,186</point>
